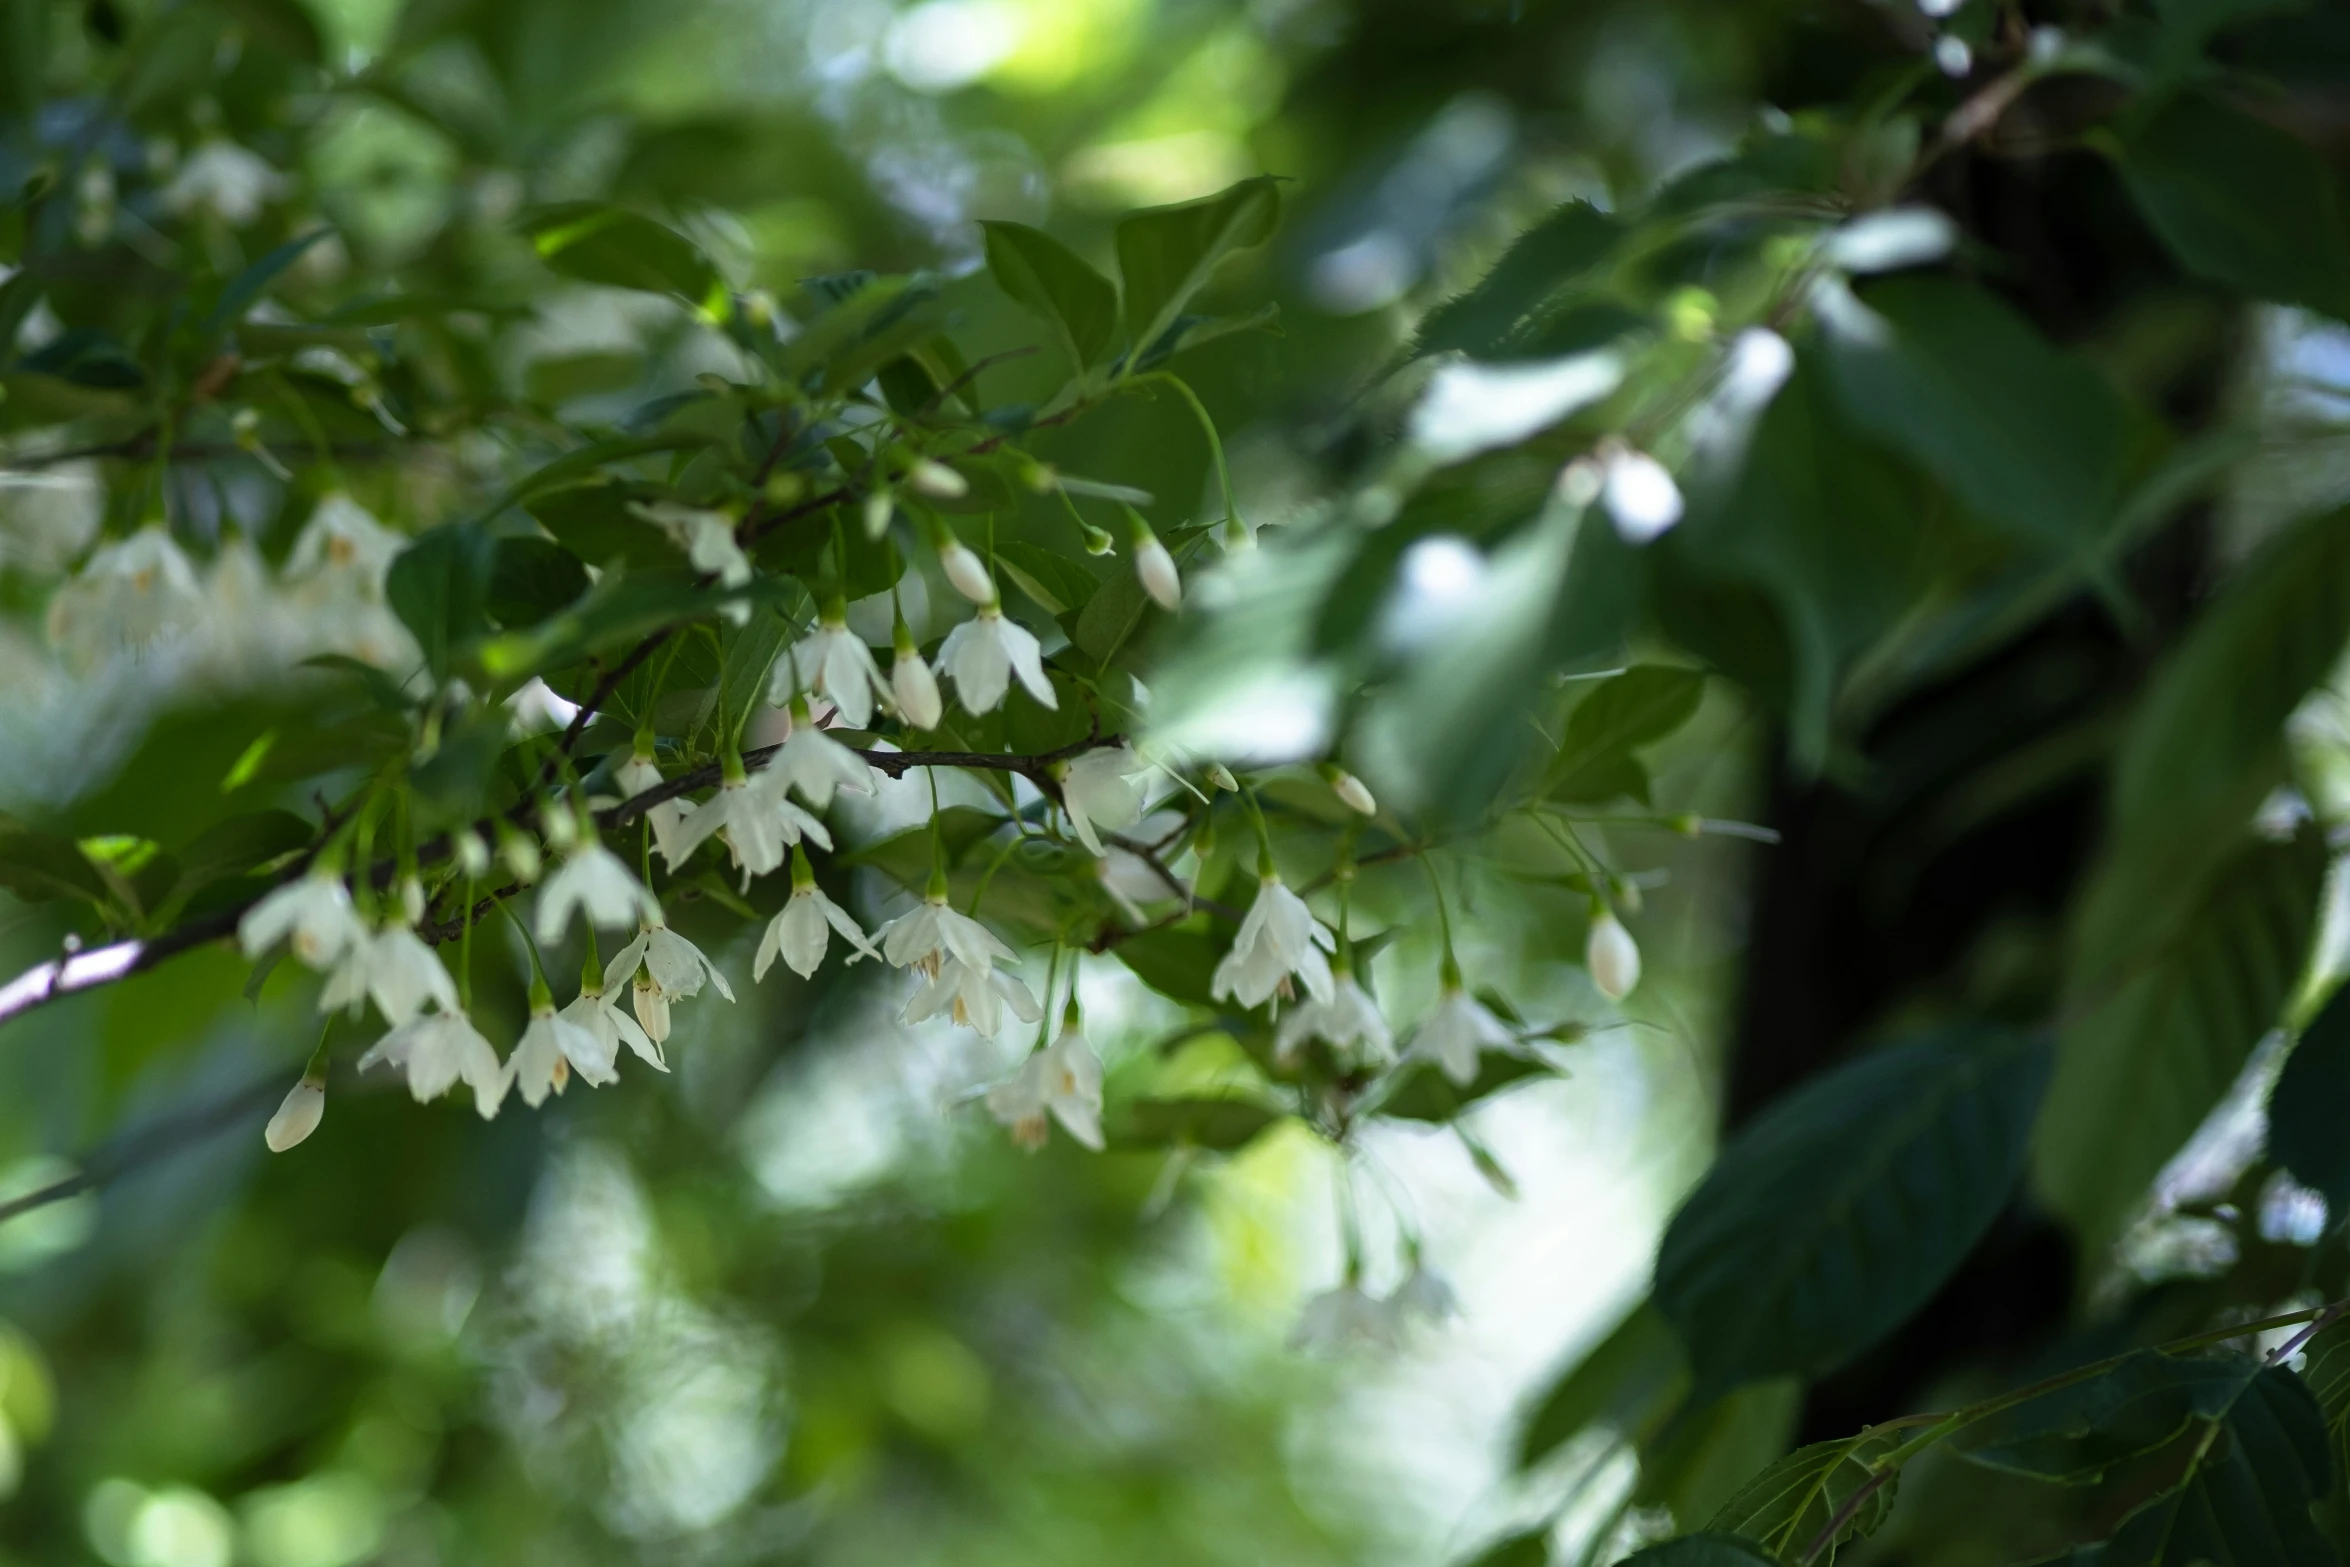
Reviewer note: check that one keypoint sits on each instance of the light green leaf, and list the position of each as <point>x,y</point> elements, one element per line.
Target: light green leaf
<point>1058,584</point>
<point>1700,1550</point>
<point>1167,254</point>
<point>1844,1206</point>
<point>1793,1503</point>
<point>1220,1124</point>
<point>1047,277</point>
<point>1419,1091</point>
<point>1708,1450</point>
<point>1638,707</point>
<point>600,244</point>
<point>439,587</point>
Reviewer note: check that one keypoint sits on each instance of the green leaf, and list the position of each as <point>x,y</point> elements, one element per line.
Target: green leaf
<point>439,587</point>
<point>42,867</point>
<point>1707,1451</point>
<point>1530,1548</point>
<point>2140,1405</point>
<point>2309,1108</point>
<point>1488,320</point>
<point>247,286</point>
<point>2245,1499</point>
<point>1112,618</point>
<point>1636,708</point>
<point>594,523</point>
<point>230,849</point>
<point>2325,1368</point>
<point>1844,1206</point>
<point>1792,1503</point>
<point>1178,964</point>
<point>906,856</point>
<point>1631,1380</point>
<point>1700,1550</point>
<point>532,578</point>
<point>1041,273</point>
<point>1191,331</point>
<point>615,610</point>
<point>1419,1090</point>
<point>2241,203</point>
<point>283,26</point>
<point>1219,1124</point>
<point>1057,583</point>
<point>2030,439</point>
<point>1167,254</point>
<point>24,57</point>
<point>2162,1032</point>
<point>599,244</point>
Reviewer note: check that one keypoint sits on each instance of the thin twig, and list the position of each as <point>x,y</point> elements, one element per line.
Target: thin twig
<point>128,1151</point>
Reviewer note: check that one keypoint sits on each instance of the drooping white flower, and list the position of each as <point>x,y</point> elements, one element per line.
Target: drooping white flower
<point>915,688</point>
<point>550,1049</point>
<point>983,654</point>
<point>438,1050</point>
<point>311,913</point>
<point>634,777</point>
<point>966,572</point>
<point>974,995</point>
<point>128,593</point>
<point>1640,496</point>
<point>802,931</point>
<point>396,970</point>
<point>1099,793</point>
<point>1458,1032</point>
<point>341,552</point>
<point>1064,1081</point>
<point>228,181</point>
<point>934,934</point>
<point>652,1011</point>
<point>1347,1020</point>
<point>1612,956</point>
<point>1345,1316</point>
<point>298,1116</point>
<point>835,663</point>
<point>1156,568</point>
<point>707,537</point>
<point>593,881</point>
<point>814,764</point>
<point>759,823</point>
<point>673,969</point>
<point>1279,938</point>
<point>598,1015</point>
<point>1425,1294</point>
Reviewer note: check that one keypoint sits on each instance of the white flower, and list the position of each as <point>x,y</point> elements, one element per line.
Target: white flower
<point>1612,956</point>
<point>983,653</point>
<point>835,663</point>
<point>394,968</point>
<point>1098,792</point>
<point>1279,938</point>
<point>974,995</point>
<point>758,821</point>
<point>1156,568</point>
<point>652,1012</point>
<point>1458,1032</point>
<point>935,934</point>
<point>612,1028</point>
<point>597,883</point>
<point>1340,1317</point>
<point>1425,1294</point>
<point>226,180</point>
<point>816,765</point>
<point>1064,1080</point>
<point>297,1117</point>
<point>1346,1019</point>
<point>437,1051</point>
<point>707,537</point>
<point>549,1049</point>
<point>800,934</point>
<point>312,913</point>
<point>966,573</point>
<point>673,969</point>
<point>916,689</point>
<point>634,777</point>
<point>342,551</point>
<point>1640,496</point>
<point>128,593</point>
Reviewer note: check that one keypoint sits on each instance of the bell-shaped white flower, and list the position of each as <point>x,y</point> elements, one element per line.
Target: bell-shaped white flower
<point>228,181</point>
<point>298,1116</point>
<point>1347,1020</point>
<point>396,970</point>
<point>915,688</point>
<point>983,654</point>
<point>551,1048</point>
<point>835,663</point>
<point>128,593</point>
<point>633,777</point>
<point>594,1012</point>
<point>803,930</point>
<point>1279,938</point>
<point>1425,1294</point>
<point>312,914</point>
<point>597,883</point>
<point>1342,1317</point>
<point>1063,1081</point>
<point>707,537</point>
<point>935,934</point>
<point>974,995</point>
<point>1156,568</point>
<point>1640,496</point>
<point>1099,793</point>
<point>1458,1032</point>
<point>759,824</point>
<point>1612,956</point>
<point>667,968</point>
<point>342,552</point>
<point>437,1051</point>
<point>966,572</point>
<point>814,765</point>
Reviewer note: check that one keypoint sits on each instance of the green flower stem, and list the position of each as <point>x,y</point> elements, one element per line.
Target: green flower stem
<point>1449,975</point>
<point>1208,428</point>
<point>1266,867</point>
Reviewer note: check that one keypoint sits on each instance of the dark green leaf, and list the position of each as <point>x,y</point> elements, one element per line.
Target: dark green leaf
<point>2155,1046</point>
<point>41,867</point>
<point>530,579</point>
<point>1790,1505</point>
<point>2309,1108</point>
<point>232,848</point>
<point>906,856</point>
<point>2030,439</point>
<point>1113,616</point>
<point>1630,1380</point>
<point>1700,1550</point>
<point>1220,1124</point>
<point>1708,1450</point>
<point>282,26</point>
<point>1167,254</point>
<point>1528,1549</point>
<point>439,587</point>
<point>247,286</point>
<point>1190,331</point>
<point>600,244</point>
<point>1058,584</point>
<point>1621,714</point>
<point>594,522</point>
<point>616,610</point>
<point>1840,1209</point>
<point>24,57</point>
<point>1419,1091</point>
<point>2140,1405</point>
<point>1178,964</point>
<point>1044,275</point>
<point>2326,1369</point>
<point>2241,203</point>
<point>1551,256</point>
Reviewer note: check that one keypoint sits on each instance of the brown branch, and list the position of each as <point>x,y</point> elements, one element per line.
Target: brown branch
<point>596,700</point>
<point>126,1152</point>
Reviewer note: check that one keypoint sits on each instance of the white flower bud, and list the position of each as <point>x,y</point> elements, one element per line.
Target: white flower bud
<point>1220,777</point>
<point>1641,498</point>
<point>938,480</point>
<point>562,827</point>
<point>916,690</point>
<point>473,855</point>
<point>297,1117</point>
<point>412,899</point>
<point>1157,570</point>
<point>965,571</point>
<point>877,508</point>
<point>1612,956</point>
<point>1352,791</point>
<point>521,856</point>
